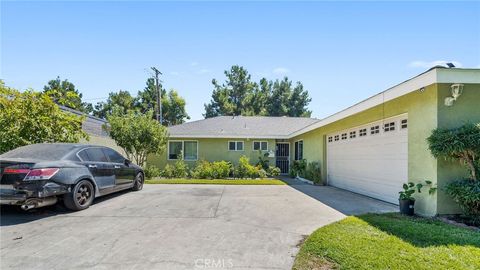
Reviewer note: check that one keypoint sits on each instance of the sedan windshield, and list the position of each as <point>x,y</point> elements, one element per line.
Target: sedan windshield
<point>40,151</point>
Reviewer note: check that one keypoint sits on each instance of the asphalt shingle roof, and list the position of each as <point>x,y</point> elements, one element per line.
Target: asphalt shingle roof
<point>241,126</point>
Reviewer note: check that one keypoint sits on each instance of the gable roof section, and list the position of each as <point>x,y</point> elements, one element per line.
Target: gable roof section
<point>254,127</point>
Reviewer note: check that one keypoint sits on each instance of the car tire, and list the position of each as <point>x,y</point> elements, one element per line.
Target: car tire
<point>138,182</point>
<point>81,196</point>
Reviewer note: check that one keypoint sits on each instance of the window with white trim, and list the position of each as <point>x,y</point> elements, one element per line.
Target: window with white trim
<point>389,126</point>
<point>260,145</point>
<point>337,137</point>
<point>344,136</point>
<point>235,146</point>
<point>190,151</point>
<point>353,134</point>
<point>404,124</point>
<point>374,130</point>
<point>363,132</point>
<point>188,148</point>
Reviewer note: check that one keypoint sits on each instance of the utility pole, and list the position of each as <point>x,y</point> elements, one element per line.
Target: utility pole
<point>158,108</point>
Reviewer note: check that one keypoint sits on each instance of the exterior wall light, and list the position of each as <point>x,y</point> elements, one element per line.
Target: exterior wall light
<point>457,90</point>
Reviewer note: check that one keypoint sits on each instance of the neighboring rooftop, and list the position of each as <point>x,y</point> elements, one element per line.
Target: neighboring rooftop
<point>260,127</point>
<point>92,125</point>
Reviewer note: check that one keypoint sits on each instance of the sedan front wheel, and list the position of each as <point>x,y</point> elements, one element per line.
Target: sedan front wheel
<point>81,196</point>
<point>138,182</point>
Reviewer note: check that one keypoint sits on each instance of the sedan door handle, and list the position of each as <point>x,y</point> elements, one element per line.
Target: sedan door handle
<point>92,166</point>
<point>116,167</point>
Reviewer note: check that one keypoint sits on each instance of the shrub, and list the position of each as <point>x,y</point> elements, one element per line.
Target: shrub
<point>212,170</point>
<point>460,144</point>
<point>273,171</point>
<point>467,194</point>
<point>298,168</point>
<point>263,161</point>
<point>180,169</point>
<point>221,169</point>
<point>168,171</point>
<point>313,172</point>
<point>202,170</point>
<point>246,170</point>
<point>152,171</point>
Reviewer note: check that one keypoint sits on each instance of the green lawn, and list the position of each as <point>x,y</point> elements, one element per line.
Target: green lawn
<point>390,241</point>
<point>218,181</point>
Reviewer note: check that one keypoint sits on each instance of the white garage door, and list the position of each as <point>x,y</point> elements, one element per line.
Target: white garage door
<point>370,159</point>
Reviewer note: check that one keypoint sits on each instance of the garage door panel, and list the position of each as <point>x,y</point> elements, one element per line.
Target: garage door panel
<point>373,165</point>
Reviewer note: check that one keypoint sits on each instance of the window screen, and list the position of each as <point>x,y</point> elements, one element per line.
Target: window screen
<point>190,152</point>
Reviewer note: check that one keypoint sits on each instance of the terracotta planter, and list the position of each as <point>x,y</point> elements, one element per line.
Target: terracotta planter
<point>406,207</point>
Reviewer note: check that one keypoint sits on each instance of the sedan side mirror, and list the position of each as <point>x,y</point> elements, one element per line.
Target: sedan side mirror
<point>127,162</point>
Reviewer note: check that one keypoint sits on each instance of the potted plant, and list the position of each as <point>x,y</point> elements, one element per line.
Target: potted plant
<point>406,199</point>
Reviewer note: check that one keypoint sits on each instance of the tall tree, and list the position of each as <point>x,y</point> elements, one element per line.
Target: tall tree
<point>32,117</point>
<point>240,96</point>
<point>64,93</point>
<point>173,109</point>
<point>234,96</point>
<point>121,101</point>
<point>173,105</point>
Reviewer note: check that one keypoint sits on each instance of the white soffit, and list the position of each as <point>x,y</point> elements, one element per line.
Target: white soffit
<point>436,75</point>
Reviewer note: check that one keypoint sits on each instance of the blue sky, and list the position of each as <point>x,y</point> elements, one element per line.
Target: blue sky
<point>343,52</point>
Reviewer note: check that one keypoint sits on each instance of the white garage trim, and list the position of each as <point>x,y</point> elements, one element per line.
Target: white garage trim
<point>370,159</point>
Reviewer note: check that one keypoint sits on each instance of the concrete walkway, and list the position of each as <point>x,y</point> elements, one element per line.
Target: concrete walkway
<point>178,227</point>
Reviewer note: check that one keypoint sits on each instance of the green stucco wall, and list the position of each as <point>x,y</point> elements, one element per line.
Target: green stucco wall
<point>465,109</point>
<point>215,150</point>
<point>422,114</point>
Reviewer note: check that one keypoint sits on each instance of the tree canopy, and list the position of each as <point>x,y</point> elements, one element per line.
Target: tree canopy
<point>239,95</point>
<point>64,93</point>
<point>173,105</point>
<point>462,144</point>
<point>138,134</point>
<point>31,117</point>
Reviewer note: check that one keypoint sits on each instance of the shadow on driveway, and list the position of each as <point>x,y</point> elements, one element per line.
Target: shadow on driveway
<point>13,215</point>
<point>346,202</point>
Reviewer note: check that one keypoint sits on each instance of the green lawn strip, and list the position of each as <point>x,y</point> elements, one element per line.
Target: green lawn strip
<point>218,181</point>
<point>390,241</point>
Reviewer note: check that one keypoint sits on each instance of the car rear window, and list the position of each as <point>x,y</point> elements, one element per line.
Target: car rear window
<point>93,154</point>
<point>40,151</point>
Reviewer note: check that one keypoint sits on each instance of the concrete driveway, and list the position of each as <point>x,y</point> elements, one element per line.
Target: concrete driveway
<point>178,227</point>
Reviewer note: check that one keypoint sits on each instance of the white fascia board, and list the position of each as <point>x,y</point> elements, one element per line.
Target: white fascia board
<point>458,75</point>
<point>207,136</point>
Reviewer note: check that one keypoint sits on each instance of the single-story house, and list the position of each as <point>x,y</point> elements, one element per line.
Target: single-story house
<point>371,148</point>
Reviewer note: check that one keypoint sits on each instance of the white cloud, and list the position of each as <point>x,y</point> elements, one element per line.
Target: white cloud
<point>280,70</point>
<point>427,64</point>
<point>194,64</point>
<point>203,71</point>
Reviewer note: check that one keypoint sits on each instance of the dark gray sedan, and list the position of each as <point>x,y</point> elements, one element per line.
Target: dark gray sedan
<point>40,174</point>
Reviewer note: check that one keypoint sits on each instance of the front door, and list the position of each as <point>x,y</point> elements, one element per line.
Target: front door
<point>282,155</point>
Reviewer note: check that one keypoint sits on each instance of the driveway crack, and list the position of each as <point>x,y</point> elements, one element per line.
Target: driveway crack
<point>218,204</point>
